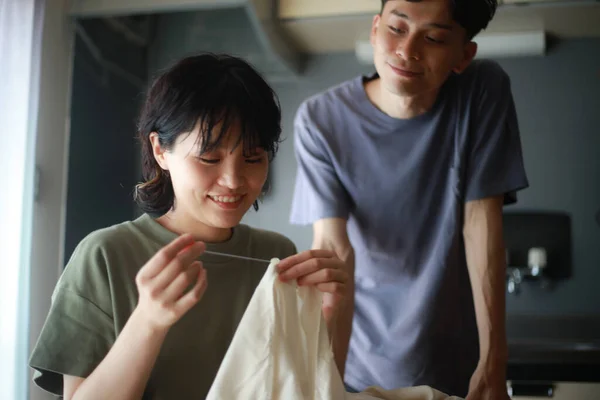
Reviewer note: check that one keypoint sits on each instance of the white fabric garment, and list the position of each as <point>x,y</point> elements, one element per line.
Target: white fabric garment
<point>281,351</point>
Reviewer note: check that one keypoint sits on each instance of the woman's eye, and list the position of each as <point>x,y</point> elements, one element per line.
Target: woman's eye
<point>255,160</point>
<point>208,160</point>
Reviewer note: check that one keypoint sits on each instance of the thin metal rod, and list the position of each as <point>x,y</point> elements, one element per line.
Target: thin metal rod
<point>239,257</point>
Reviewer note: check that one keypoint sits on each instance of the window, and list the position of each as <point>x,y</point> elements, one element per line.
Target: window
<point>19,69</point>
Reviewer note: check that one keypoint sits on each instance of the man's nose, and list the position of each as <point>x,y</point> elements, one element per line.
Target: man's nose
<point>409,48</point>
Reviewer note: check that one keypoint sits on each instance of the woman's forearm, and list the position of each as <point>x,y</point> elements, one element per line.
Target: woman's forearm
<point>123,374</point>
<point>343,324</point>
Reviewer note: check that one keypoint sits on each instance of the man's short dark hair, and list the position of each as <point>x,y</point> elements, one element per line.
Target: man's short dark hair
<point>473,15</point>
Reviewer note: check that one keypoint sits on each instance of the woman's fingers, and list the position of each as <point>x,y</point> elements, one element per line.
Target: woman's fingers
<point>181,282</point>
<point>303,268</point>
<point>303,257</point>
<point>335,288</point>
<point>312,266</point>
<point>192,297</point>
<point>323,276</point>
<point>318,268</point>
<point>180,263</point>
<point>163,257</point>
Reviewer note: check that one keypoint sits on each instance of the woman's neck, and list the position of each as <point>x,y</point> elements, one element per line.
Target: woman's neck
<point>177,222</point>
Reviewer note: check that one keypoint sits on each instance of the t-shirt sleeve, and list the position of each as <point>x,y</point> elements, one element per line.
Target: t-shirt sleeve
<point>318,191</point>
<point>495,164</point>
<point>79,329</point>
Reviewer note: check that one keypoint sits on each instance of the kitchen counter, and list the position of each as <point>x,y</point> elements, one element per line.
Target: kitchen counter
<point>565,349</point>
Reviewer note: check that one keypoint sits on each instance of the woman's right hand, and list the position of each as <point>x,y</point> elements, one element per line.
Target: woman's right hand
<point>163,280</point>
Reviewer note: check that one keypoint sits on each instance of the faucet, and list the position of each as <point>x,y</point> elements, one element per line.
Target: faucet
<point>536,262</point>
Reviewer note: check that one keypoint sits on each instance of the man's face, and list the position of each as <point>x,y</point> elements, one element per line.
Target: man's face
<point>417,45</point>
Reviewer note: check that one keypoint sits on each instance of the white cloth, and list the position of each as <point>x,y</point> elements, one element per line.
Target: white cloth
<point>281,351</point>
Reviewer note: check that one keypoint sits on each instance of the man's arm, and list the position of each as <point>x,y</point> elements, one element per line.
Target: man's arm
<point>331,234</point>
<point>485,251</point>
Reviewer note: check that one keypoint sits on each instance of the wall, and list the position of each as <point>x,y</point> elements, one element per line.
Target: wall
<point>558,102</point>
<point>228,30</point>
<point>102,152</point>
<point>557,98</point>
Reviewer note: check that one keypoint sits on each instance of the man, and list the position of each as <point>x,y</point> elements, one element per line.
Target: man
<point>404,174</point>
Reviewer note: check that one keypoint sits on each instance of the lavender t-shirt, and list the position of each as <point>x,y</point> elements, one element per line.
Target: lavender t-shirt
<point>402,185</point>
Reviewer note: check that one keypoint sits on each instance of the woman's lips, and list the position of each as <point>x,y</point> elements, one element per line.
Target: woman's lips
<point>227,202</point>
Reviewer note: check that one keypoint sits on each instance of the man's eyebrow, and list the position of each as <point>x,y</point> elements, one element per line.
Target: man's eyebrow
<point>432,24</point>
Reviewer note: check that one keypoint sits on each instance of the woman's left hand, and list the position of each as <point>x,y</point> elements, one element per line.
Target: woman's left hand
<point>322,269</point>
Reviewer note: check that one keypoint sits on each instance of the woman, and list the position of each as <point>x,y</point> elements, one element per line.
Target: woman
<point>140,310</point>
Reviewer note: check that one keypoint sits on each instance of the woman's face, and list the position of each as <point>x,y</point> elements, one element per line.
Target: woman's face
<point>214,189</point>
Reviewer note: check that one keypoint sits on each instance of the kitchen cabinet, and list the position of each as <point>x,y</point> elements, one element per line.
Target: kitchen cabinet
<point>291,9</point>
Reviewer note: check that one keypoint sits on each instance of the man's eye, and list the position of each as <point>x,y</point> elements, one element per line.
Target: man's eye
<point>434,40</point>
<point>255,160</point>
<point>396,30</point>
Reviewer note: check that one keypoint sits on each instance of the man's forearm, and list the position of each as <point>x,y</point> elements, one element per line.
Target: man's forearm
<point>486,262</point>
<point>489,298</point>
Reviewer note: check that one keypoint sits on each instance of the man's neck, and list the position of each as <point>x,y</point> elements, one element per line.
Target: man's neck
<point>398,106</point>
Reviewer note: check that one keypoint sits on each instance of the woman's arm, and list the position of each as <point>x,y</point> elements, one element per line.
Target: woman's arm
<point>124,372</point>
<point>330,268</point>
<point>330,234</point>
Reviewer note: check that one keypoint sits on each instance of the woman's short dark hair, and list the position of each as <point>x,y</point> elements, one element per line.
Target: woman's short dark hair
<point>473,15</point>
<point>214,91</point>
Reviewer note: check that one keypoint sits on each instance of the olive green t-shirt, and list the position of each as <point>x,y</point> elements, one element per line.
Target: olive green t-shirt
<point>97,293</point>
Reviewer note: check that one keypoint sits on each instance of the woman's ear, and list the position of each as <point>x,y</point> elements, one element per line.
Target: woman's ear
<point>158,151</point>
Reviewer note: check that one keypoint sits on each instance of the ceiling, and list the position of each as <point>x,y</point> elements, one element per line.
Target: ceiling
<point>287,30</point>
<point>337,24</point>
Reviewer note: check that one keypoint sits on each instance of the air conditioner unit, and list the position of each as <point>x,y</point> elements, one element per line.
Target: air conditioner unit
<point>498,45</point>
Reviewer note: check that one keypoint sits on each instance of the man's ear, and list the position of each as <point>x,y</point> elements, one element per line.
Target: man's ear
<point>469,52</point>
<point>158,151</point>
<point>374,27</point>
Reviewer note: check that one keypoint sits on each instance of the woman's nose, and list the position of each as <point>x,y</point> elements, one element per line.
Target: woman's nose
<point>232,177</point>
